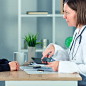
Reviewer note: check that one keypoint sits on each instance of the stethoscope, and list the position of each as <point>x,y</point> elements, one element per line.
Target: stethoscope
<point>73,44</point>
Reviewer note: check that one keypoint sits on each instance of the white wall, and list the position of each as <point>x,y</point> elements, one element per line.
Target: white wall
<point>8,28</point>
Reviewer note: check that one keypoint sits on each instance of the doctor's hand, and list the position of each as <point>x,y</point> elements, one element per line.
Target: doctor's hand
<point>14,65</point>
<point>48,52</point>
<point>54,65</point>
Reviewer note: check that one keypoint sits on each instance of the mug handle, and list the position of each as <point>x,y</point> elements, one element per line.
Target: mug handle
<point>25,58</point>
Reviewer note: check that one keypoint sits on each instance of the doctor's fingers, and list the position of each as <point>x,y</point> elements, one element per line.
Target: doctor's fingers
<point>47,56</point>
<point>50,54</point>
<point>49,50</point>
<point>53,67</point>
<point>49,63</point>
<point>46,52</point>
<point>44,56</point>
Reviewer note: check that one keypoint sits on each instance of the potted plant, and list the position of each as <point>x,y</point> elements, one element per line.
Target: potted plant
<point>31,41</point>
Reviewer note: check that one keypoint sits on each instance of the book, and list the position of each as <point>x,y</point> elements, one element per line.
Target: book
<point>37,12</point>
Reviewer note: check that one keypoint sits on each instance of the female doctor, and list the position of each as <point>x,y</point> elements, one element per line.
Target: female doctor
<point>73,59</point>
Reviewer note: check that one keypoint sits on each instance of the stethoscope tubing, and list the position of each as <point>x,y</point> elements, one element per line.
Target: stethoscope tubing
<point>73,44</point>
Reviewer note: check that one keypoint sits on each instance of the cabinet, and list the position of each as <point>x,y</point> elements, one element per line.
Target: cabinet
<point>51,26</point>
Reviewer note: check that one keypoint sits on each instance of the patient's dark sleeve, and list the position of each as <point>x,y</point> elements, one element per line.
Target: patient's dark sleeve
<point>4,66</point>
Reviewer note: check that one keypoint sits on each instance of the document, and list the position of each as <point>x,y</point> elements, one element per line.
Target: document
<point>42,70</point>
<point>35,64</point>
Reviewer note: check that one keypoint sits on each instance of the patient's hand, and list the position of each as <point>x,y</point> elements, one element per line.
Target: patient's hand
<point>14,65</point>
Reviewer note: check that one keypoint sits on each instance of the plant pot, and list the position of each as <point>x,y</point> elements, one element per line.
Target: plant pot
<point>31,53</point>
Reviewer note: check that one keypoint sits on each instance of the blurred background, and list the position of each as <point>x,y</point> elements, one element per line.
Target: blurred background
<point>9,25</point>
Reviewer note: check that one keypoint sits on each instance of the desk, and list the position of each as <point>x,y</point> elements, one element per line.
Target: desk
<point>21,78</point>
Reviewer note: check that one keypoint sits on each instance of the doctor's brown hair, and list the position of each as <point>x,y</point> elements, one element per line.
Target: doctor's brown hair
<point>80,7</point>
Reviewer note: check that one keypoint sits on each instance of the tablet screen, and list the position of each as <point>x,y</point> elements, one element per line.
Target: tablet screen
<point>37,60</point>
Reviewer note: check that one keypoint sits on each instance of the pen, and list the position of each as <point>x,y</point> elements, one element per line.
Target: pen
<point>40,70</point>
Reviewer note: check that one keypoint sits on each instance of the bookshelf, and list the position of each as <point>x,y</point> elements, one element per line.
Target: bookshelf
<point>46,25</point>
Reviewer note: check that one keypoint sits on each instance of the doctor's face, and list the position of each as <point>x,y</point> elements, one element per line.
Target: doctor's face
<point>70,15</point>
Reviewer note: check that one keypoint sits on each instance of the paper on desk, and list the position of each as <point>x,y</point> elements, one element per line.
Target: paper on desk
<point>45,69</point>
<point>30,70</point>
<point>34,71</point>
<point>34,64</point>
<point>24,67</point>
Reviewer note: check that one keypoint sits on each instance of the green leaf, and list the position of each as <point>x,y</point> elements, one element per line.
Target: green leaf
<point>31,39</point>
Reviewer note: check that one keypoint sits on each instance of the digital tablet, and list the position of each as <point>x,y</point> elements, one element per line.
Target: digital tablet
<point>37,60</point>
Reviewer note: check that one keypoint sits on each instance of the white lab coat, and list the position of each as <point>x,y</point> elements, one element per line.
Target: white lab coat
<point>66,63</point>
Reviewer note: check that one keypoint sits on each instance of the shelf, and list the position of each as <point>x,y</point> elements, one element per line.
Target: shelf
<point>59,15</point>
<point>37,15</point>
<point>26,50</point>
<point>40,15</point>
<point>49,26</point>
